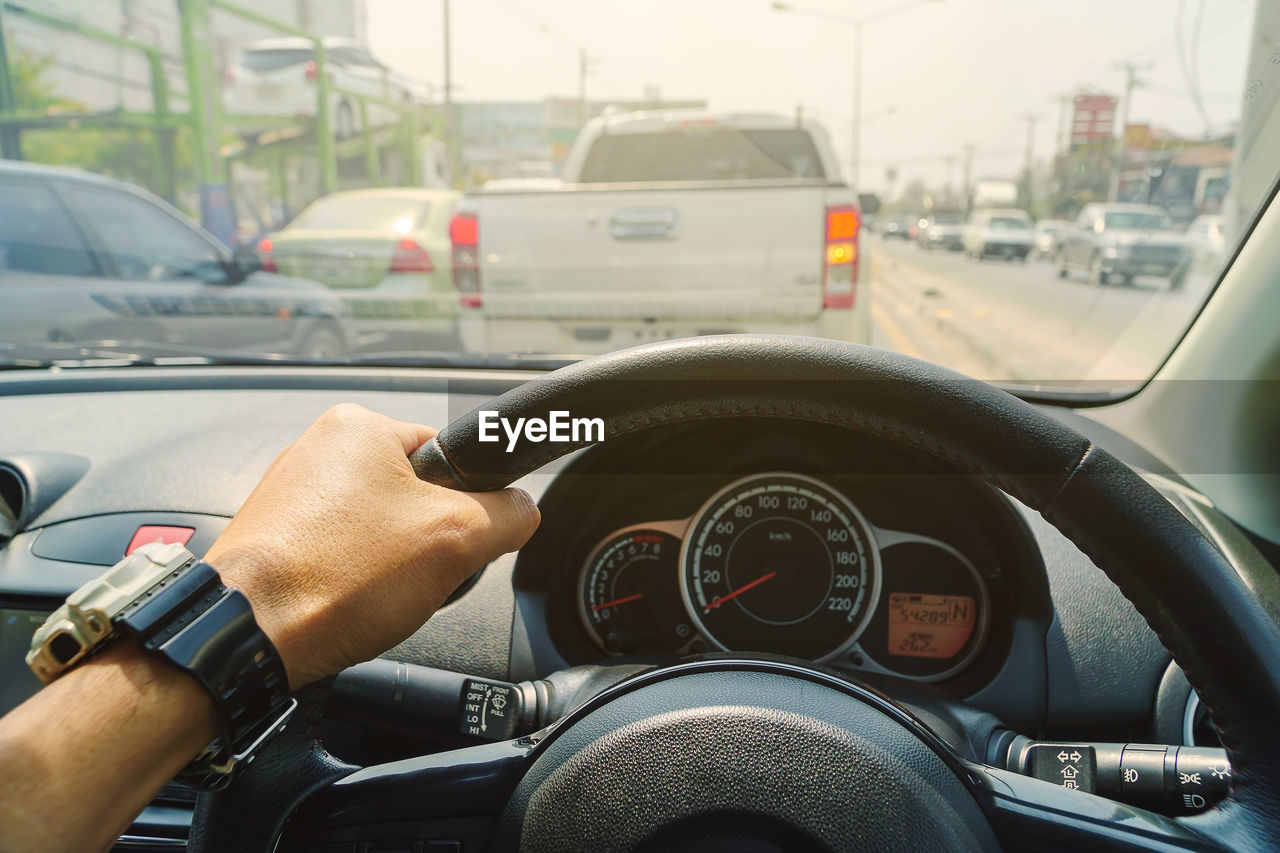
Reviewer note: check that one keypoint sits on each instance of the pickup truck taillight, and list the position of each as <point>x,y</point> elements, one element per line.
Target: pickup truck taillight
<point>464,233</point>
<point>840,257</point>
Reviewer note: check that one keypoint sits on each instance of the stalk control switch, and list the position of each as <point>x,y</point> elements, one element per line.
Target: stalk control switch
<point>1177,780</point>
<point>1069,765</point>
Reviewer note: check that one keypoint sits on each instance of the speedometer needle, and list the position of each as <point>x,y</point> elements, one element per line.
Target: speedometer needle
<point>739,591</point>
<point>617,601</point>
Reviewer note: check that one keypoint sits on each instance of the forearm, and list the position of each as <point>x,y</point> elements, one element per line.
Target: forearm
<point>81,759</point>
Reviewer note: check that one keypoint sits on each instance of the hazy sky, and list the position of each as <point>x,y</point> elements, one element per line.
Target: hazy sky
<point>954,71</point>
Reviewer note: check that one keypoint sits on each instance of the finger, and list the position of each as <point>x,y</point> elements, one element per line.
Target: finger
<point>412,436</point>
<point>499,522</point>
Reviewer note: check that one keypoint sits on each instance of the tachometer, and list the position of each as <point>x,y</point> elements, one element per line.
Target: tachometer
<point>780,563</point>
<point>630,596</point>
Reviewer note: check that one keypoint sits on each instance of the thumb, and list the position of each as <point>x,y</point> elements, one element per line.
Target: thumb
<point>497,523</point>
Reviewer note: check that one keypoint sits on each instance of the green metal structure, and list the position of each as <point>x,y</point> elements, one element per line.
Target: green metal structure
<point>205,122</point>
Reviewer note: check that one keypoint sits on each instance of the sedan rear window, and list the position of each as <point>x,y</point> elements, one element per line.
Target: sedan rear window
<point>702,153</point>
<point>271,60</point>
<point>1137,219</point>
<point>365,213</point>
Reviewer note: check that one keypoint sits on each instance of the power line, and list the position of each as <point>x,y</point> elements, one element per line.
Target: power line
<point>1187,60</point>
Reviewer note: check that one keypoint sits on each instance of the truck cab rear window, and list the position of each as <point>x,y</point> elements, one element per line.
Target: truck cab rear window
<point>701,153</point>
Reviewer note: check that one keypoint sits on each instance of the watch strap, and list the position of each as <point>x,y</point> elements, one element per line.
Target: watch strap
<point>196,622</point>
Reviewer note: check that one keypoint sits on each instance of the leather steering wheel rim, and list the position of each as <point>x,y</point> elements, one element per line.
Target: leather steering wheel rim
<point>1187,591</point>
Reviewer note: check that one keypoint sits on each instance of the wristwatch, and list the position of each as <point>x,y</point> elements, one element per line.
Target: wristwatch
<point>178,609</point>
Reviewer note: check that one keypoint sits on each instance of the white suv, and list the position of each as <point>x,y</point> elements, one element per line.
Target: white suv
<point>999,232</point>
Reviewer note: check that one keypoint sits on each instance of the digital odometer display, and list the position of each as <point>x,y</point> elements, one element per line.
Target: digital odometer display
<point>780,563</point>
<point>932,619</point>
<point>930,626</point>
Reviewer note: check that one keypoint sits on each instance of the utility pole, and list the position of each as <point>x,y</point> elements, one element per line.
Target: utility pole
<point>967,172</point>
<point>1030,164</point>
<point>1063,140</point>
<point>856,143</point>
<point>450,131</point>
<point>585,63</point>
<point>951,162</point>
<point>1117,157</point>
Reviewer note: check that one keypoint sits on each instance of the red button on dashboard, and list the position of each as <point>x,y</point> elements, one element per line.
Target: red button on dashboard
<point>149,533</point>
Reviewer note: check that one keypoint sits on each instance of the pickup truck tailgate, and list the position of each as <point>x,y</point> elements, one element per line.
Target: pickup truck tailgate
<point>710,251</point>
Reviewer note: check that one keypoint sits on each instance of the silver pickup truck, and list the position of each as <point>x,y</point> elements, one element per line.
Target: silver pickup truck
<point>664,224</point>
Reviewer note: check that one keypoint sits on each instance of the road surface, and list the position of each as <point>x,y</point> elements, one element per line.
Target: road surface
<point>1018,322</point>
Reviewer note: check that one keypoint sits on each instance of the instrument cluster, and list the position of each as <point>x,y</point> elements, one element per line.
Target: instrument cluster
<point>786,563</point>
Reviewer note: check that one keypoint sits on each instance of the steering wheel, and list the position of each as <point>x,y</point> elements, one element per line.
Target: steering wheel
<point>760,754</point>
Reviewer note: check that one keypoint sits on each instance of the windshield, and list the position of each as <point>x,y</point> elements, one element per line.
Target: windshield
<point>364,213</point>
<point>701,152</point>
<point>271,59</point>
<point>1138,219</point>
<point>516,183</point>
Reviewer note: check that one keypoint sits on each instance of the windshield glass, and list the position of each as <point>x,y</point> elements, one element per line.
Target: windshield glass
<point>1138,219</point>
<point>271,59</point>
<point>700,151</point>
<point>502,182</point>
<point>363,213</point>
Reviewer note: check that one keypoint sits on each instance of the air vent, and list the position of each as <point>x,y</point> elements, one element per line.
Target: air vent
<point>13,499</point>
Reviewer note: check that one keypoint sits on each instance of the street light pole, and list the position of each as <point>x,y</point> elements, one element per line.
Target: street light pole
<point>855,146</point>
<point>1117,147</point>
<point>450,132</point>
<point>1030,164</point>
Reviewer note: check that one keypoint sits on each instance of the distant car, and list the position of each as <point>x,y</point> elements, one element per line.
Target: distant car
<point>1047,234</point>
<point>942,231</point>
<point>90,260</point>
<point>387,254</point>
<point>1207,241</point>
<point>277,77</point>
<point>901,227</point>
<point>1122,241</point>
<point>999,232</point>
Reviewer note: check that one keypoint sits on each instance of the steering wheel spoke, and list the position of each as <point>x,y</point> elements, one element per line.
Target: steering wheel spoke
<point>449,796</point>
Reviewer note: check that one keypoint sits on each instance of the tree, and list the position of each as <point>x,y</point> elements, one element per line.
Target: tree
<point>124,153</point>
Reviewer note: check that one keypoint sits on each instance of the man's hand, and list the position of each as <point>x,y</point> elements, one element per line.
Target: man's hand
<point>343,552</point>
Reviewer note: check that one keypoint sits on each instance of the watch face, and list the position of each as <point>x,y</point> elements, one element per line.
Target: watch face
<point>64,647</point>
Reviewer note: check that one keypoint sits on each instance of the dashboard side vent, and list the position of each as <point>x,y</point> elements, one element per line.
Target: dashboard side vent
<point>13,498</point>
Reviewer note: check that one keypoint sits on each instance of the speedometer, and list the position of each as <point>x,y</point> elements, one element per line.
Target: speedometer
<point>780,563</point>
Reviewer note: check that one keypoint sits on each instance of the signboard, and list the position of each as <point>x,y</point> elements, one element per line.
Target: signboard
<point>1137,137</point>
<point>1092,119</point>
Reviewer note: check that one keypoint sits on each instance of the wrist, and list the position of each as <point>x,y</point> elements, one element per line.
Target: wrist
<point>278,614</point>
<point>181,711</point>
